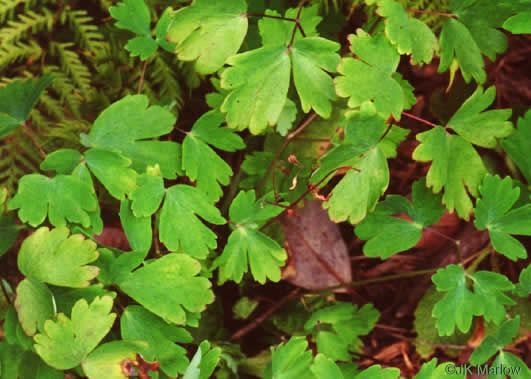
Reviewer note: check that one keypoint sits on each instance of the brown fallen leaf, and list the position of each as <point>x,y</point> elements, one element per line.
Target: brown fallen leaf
<point>318,256</point>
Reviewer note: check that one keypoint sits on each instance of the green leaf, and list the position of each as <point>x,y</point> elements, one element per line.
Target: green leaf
<point>517,147</point>
<point>325,368</point>
<point>259,82</point>
<point>65,343</point>
<point>388,235</point>
<point>455,164</point>
<point>358,192</point>
<point>203,363</point>
<point>132,15</point>
<point>493,212</point>
<point>511,365</point>
<point>430,370</point>
<point>9,231</point>
<point>32,367</point>
<point>459,305</point>
<point>10,358</point>
<point>143,46</point>
<point>147,196</point>
<point>377,372</point>
<point>173,278</point>
<point>523,288</point>
<point>456,41</point>
<point>279,32</point>
<point>116,269</point>
<point>65,298</point>
<point>161,30</point>
<point>62,198</point>
<point>45,250</point>
<point>34,304</point>
<point>290,360</point>
<point>200,162</point>
<point>492,344</point>
<point>287,117</point>
<point>16,101</point>
<point>378,61</point>
<point>478,127</point>
<point>411,36</point>
<point>62,161</point>
<point>489,288</point>
<point>112,170</point>
<point>137,229</point>
<point>128,126</point>
<point>137,323</point>
<point>519,23</point>
<point>208,32</point>
<point>106,361</point>
<point>247,245</point>
<point>179,225</point>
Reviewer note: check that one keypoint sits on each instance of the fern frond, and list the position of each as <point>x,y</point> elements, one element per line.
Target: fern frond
<point>12,53</point>
<point>28,22</point>
<point>165,78</point>
<point>66,90</point>
<point>85,32</point>
<point>68,132</point>
<point>73,66</point>
<point>52,106</point>
<point>7,9</point>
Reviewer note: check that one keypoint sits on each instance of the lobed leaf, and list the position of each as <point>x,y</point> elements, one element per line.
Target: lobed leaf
<point>516,145</point>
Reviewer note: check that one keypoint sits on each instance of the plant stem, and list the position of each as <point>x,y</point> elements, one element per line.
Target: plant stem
<point>297,25</point>
<point>4,291</point>
<point>35,142</point>
<point>482,255</point>
<point>141,83</point>
<point>283,147</point>
<point>419,119</point>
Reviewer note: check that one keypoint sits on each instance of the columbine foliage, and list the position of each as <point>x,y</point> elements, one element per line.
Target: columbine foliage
<point>199,199</point>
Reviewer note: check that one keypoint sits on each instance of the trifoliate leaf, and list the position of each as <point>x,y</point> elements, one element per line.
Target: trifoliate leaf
<point>325,368</point>
<point>487,300</point>
<point>65,343</point>
<point>464,305</point>
<point>108,359</point>
<point>290,360</point>
<point>16,101</point>
<point>62,161</point>
<point>200,161</point>
<point>112,170</point>
<point>456,41</point>
<point>45,250</point>
<point>128,126</point>
<point>137,229</point>
<point>179,225</point>
<point>517,145</point>
<point>358,192</point>
<point>259,82</point>
<point>492,344</point>
<point>479,127</point>
<point>34,304</point>
<point>247,246</point>
<point>523,288</point>
<point>455,164</point>
<point>132,15</point>
<point>148,194</point>
<point>347,324</point>
<point>411,36</point>
<point>493,212</point>
<point>209,32</point>
<point>139,324</point>
<point>62,198</point>
<point>388,235</point>
<point>377,372</point>
<point>174,279</point>
<point>378,61</point>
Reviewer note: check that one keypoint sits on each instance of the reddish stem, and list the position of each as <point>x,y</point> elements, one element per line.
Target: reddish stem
<point>35,142</point>
<point>419,119</point>
<point>432,13</point>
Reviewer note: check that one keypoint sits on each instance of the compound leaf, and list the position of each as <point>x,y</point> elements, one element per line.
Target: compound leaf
<point>517,145</point>
<point>479,127</point>
<point>208,32</point>
<point>259,82</point>
<point>200,161</point>
<point>459,305</point>
<point>17,99</point>
<point>290,360</point>
<point>139,324</point>
<point>247,245</point>
<point>456,41</point>
<point>378,61</point>
<point>128,126</point>
<point>179,225</point>
<point>455,164</point>
<point>45,250</point>
<point>204,362</point>
<point>62,198</point>
<point>493,212</point>
<point>173,278</point>
<point>388,235</point>
<point>489,288</point>
<point>65,343</point>
<point>492,344</point>
<point>411,36</point>
<point>112,170</point>
<point>148,194</point>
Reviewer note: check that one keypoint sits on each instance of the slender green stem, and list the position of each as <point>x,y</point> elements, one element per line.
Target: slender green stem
<point>482,255</point>
<point>4,291</point>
